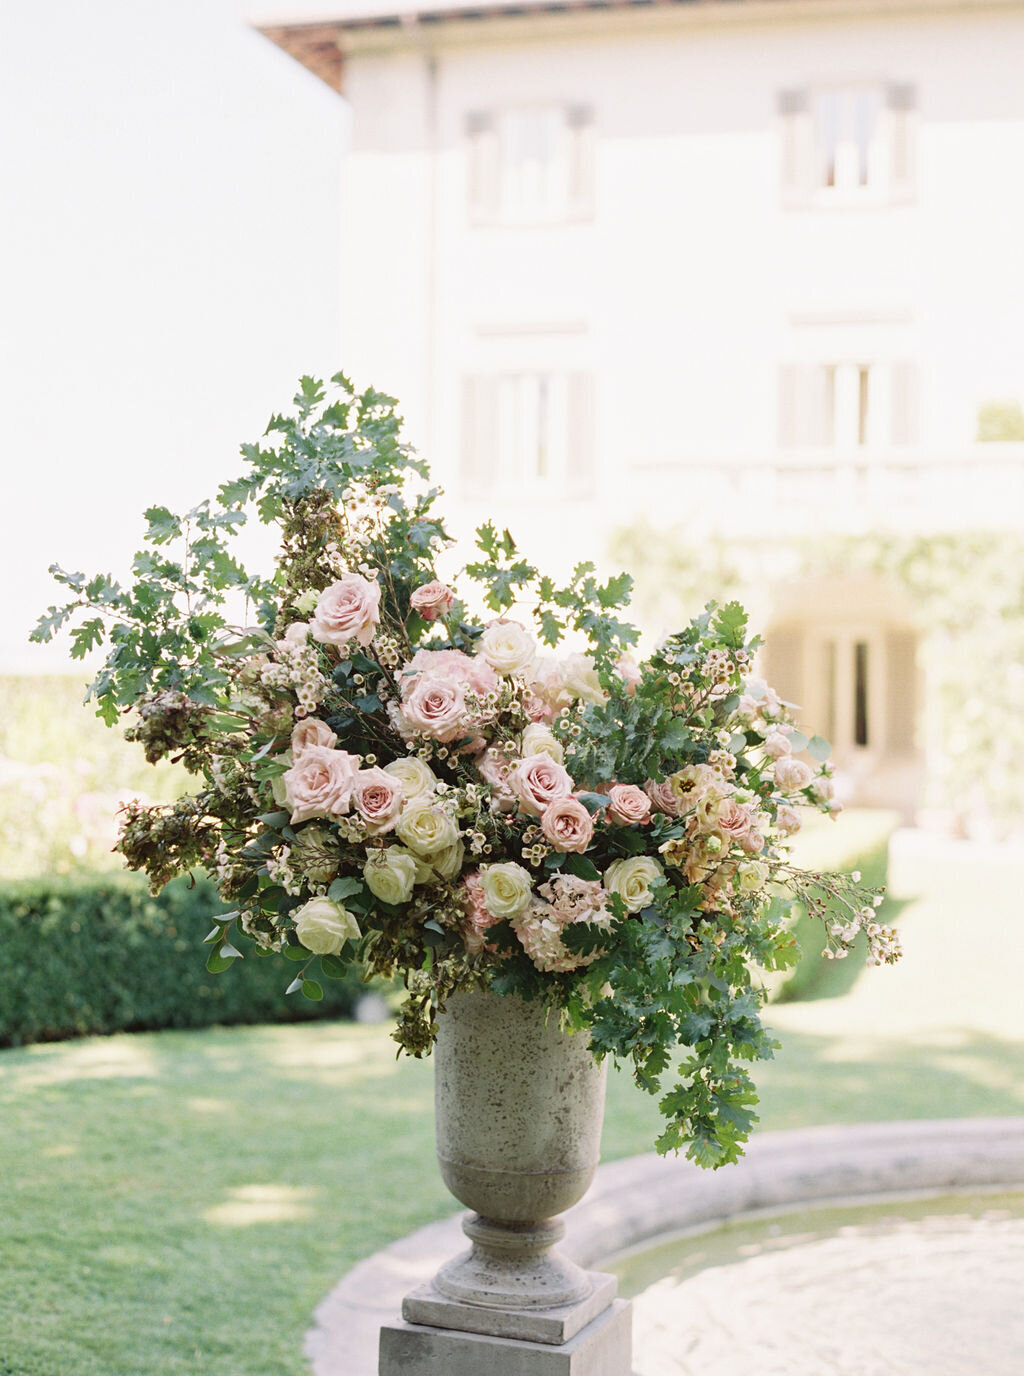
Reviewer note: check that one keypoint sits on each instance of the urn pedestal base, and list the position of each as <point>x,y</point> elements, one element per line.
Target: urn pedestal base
<point>603,1347</point>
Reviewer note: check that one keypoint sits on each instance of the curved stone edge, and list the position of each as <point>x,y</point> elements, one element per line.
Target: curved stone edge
<point>644,1197</point>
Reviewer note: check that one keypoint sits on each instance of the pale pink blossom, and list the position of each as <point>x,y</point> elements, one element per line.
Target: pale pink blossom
<point>753,842</point>
<point>628,806</point>
<point>436,707</point>
<point>787,821</point>
<point>452,665</point>
<point>494,769</point>
<point>735,820</point>
<point>349,609</point>
<point>664,798</point>
<point>378,798</point>
<point>319,783</point>
<point>432,600</point>
<point>311,731</point>
<point>776,744</point>
<point>629,671</point>
<point>557,905</point>
<point>477,919</point>
<point>538,781</point>
<point>568,825</point>
<point>791,774</point>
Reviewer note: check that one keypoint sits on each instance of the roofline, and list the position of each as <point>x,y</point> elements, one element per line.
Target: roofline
<point>321,45</point>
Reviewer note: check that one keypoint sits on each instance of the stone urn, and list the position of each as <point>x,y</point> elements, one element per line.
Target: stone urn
<point>519,1104</point>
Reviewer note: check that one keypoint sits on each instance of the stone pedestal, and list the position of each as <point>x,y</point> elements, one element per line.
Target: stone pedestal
<point>602,1347</point>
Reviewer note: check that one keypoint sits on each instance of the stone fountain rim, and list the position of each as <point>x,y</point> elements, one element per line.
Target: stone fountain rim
<point>641,1198</point>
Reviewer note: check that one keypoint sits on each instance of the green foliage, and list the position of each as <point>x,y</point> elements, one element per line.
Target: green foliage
<point>100,955</point>
<point>1001,421</point>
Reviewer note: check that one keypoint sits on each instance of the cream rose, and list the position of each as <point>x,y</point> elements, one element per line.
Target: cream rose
<point>538,739</point>
<point>432,600</point>
<point>349,609</point>
<point>568,825</point>
<point>324,926</point>
<point>508,647</point>
<point>447,863</point>
<point>537,782</point>
<point>506,889</point>
<point>390,874</point>
<point>580,679</point>
<point>378,797</point>
<point>631,878</point>
<point>628,805</point>
<point>297,633</point>
<point>436,707</point>
<point>311,731</point>
<point>418,780</point>
<point>319,783</point>
<point>750,876</point>
<point>426,829</point>
<point>791,775</point>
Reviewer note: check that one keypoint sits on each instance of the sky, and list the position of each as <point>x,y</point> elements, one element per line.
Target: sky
<point>170,190</point>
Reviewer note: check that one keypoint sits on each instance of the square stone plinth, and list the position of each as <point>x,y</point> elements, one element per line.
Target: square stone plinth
<point>426,1306</point>
<point>602,1348</point>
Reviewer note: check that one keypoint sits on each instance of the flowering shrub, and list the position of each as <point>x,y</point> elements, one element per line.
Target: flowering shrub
<point>385,780</point>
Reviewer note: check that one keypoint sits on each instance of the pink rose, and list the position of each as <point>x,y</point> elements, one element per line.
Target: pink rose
<point>319,783</point>
<point>494,769</point>
<point>537,781</point>
<point>752,842</point>
<point>378,797</point>
<point>734,820</point>
<point>629,806</point>
<point>432,600</point>
<point>792,774</point>
<point>311,731</point>
<point>349,608</point>
<point>548,693</point>
<point>568,825</point>
<point>776,745</point>
<point>664,798</point>
<point>436,707</point>
<point>452,665</point>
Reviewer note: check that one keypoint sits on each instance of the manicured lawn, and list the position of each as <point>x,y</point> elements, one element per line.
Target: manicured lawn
<point>180,1202</point>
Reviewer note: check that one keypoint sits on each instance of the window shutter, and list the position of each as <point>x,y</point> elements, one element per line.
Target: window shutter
<point>794,110</point>
<point>901,690</point>
<point>901,102</point>
<point>482,164</point>
<point>579,120</point>
<point>787,405</point>
<point>579,473</point>
<point>783,653</point>
<point>479,432</point>
<point>903,404</point>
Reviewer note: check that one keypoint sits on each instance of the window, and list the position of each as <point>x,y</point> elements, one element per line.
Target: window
<point>529,166</point>
<point>847,405</point>
<point>856,682</point>
<point>851,144</point>
<point>527,431</point>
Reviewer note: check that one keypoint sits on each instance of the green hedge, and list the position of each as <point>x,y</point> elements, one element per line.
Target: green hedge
<point>80,956</point>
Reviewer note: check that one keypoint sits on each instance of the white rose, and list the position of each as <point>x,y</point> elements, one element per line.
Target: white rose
<point>632,878</point>
<point>539,740</point>
<point>390,874</point>
<point>426,829</point>
<point>507,647</point>
<point>418,780</point>
<point>750,876</point>
<point>448,862</point>
<point>324,926</point>
<point>580,679</point>
<point>506,888</point>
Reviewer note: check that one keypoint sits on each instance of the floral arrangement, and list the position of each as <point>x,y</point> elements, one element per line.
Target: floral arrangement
<point>457,799</point>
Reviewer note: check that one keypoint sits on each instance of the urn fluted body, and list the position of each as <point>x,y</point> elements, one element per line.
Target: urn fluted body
<point>519,1104</point>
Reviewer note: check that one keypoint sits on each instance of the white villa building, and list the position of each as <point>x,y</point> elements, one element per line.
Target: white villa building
<point>744,267</point>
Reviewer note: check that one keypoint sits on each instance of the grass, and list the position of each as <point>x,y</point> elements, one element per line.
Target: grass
<point>180,1202</point>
